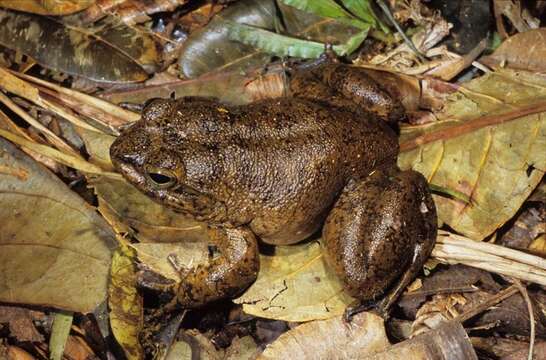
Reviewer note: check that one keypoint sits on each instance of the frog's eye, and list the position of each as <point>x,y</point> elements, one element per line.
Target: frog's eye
<point>160,178</point>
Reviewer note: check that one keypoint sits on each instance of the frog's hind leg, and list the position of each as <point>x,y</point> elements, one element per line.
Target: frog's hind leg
<point>343,85</point>
<point>223,276</point>
<point>379,234</point>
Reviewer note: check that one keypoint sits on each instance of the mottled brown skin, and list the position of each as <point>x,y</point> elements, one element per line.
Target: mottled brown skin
<point>281,168</point>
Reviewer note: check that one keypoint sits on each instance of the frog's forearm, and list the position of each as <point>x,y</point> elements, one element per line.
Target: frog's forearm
<point>224,276</point>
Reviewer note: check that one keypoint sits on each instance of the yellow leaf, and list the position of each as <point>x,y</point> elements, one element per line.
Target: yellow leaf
<point>126,317</point>
<point>496,166</point>
<point>294,284</point>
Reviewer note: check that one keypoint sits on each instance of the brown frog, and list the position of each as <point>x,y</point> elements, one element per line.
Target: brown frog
<point>279,169</point>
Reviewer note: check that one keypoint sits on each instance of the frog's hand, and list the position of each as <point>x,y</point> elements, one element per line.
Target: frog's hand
<point>224,276</point>
<point>379,234</point>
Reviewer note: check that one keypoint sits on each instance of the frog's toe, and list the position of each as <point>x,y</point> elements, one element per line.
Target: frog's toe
<point>151,280</point>
<point>357,307</point>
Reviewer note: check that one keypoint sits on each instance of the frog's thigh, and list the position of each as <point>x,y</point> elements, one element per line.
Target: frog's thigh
<point>225,276</point>
<point>355,84</point>
<point>381,229</point>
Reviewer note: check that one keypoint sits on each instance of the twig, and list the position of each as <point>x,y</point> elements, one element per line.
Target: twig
<point>525,295</point>
<point>407,40</point>
<point>455,249</point>
<point>473,125</point>
<point>492,300</point>
<point>462,289</point>
<point>512,254</point>
<point>499,21</point>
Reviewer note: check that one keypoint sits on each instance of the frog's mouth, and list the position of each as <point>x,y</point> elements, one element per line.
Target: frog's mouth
<point>199,206</point>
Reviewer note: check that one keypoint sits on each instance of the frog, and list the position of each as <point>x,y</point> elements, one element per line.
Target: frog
<point>320,159</point>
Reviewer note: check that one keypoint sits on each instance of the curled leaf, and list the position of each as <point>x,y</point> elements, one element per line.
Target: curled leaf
<point>126,316</point>
<point>331,339</point>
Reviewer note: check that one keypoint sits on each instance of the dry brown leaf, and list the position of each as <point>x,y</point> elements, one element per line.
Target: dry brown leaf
<point>47,7</point>
<point>155,256</point>
<point>111,52</point>
<point>331,339</point>
<point>55,248</point>
<point>526,51</point>
<point>21,324</point>
<point>153,222</point>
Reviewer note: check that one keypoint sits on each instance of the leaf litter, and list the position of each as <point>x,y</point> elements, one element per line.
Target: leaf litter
<point>509,165</point>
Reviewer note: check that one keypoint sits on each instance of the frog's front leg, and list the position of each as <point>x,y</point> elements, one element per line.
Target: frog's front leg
<point>223,276</point>
<point>379,234</point>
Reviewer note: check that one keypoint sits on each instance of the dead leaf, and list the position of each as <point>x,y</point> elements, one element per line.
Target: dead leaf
<point>77,348</point>
<point>16,353</point>
<point>331,339</point>
<point>97,146</point>
<point>21,325</point>
<point>454,279</point>
<point>512,315</point>
<point>126,309</point>
<point>130,12</point>
<point>525,51</point>
<point>156,256</point>
<point>244,348</point>
<point>55,248</point>
<point>230,87</point>
<point>70,50</point>
<point>47,7</point>
<point>538,246</point>
<point>529,225</point>
<point>294,284</point>
<point>153,222</point>
<point>496,166</point>
<point>448,341</point>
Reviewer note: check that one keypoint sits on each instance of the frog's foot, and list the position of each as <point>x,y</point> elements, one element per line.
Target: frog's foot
<point>223,276</point>
<point>379,234</point>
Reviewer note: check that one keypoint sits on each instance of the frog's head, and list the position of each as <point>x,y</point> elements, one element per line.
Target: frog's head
<point>151,156</point>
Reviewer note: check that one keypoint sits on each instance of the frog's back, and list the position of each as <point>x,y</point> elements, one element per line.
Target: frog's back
<point>281,163</point>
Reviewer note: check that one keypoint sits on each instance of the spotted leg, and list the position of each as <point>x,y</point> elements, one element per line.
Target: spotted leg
<point>224,276</point>
<point>378,236</point>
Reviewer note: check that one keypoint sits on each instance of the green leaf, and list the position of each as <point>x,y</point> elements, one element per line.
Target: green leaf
<point>281,45</point>
<point>352,44</point>
<point>274,43</point>
<point>329,9</point>
<point>210,50</point>
<point>361,9</point>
